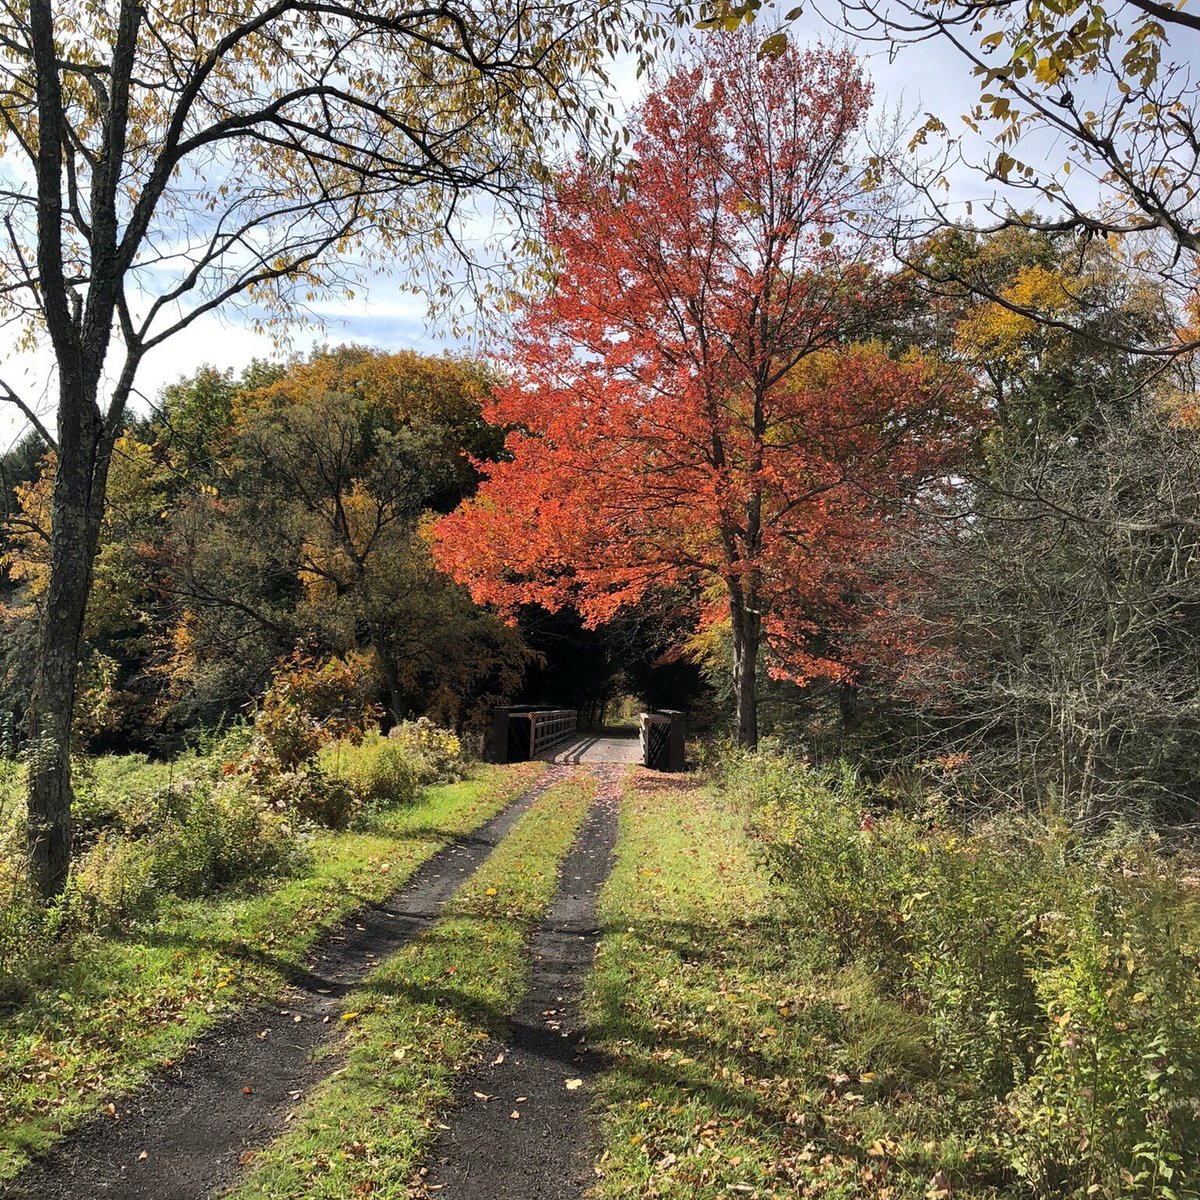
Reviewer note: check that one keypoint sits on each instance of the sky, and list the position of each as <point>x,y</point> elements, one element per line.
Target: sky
<point>924,78</point>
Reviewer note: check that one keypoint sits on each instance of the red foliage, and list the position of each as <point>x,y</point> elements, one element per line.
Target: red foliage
<point>697,399</point>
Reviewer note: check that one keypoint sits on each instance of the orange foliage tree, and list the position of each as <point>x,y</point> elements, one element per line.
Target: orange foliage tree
<point>701,399</point>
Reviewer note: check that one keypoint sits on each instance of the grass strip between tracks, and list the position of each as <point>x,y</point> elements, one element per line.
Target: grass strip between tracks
<point>420,1018</point>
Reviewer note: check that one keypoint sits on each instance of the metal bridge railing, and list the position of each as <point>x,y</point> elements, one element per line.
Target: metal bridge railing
<point>515,728</point>
<point>548,729</point>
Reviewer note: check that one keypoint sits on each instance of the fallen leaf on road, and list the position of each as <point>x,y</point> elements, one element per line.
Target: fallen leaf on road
<point>572,1084</point>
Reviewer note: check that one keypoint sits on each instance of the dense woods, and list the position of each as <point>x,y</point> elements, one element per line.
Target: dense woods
<point>925,512</point>
<point>278,510</point>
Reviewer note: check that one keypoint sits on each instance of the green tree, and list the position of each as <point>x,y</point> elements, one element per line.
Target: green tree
<point>313,529</point>
<point>1046,325</point>
<point>123,606</point>
<point>1103,90</point>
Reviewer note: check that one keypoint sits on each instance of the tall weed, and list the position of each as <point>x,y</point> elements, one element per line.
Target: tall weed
<point>1054,978</point>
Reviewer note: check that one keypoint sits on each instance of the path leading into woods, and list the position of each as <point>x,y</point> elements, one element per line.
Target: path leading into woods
<point>187,1134</point>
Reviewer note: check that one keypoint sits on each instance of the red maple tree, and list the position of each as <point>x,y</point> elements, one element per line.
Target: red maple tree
<point>697,399</point>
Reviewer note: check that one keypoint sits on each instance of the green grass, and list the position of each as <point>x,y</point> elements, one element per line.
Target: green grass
<point>93,1027</point>
<point>420,1018</point>
<point>733,1070</point>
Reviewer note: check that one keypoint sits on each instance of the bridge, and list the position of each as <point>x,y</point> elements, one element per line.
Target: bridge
<point>522,732</point>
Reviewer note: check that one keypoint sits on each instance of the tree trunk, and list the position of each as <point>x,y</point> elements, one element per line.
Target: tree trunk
<point>79,478</point>
<point>849,706</point>
<point>391,679</point>
<point>747,635</point>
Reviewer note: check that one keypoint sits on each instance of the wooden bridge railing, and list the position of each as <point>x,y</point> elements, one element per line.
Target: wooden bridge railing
<point>663,737</point>
<point>548,729</point>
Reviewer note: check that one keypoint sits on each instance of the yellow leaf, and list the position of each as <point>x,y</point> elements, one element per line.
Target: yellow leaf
<point>349,1016</point>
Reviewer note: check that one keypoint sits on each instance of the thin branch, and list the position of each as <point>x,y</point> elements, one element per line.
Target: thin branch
<point>7,394</point>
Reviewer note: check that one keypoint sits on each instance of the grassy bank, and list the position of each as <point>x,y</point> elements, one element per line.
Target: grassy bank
<point>419,1019</point>
<point>801,998</point>
<point>87,1027</point>
<point>693,1005</point>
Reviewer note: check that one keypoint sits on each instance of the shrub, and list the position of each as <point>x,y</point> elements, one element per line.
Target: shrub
<point>436,752</point>
<point>1055,977</point>
<point>389,777</point>
<point>19,933</point>
<point>312,702</point>
<point>227,835</point>
<point>206,838</point>
<point>187,838</point>
<point>385,772</point>
<point>112,883</point>
<point>1112,1103</point>
<point>307,707</point>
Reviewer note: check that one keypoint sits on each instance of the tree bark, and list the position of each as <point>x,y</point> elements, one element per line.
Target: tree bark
<point>79,479</point>
<point>747,637</point>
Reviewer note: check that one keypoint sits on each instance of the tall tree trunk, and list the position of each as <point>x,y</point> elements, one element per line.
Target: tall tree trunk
<point>747,636</point>
<point>78,501</point>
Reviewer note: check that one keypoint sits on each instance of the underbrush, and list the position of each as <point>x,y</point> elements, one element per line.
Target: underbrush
<point>234,818</point>
<point>385,771</point>
<point>1043,984</point>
